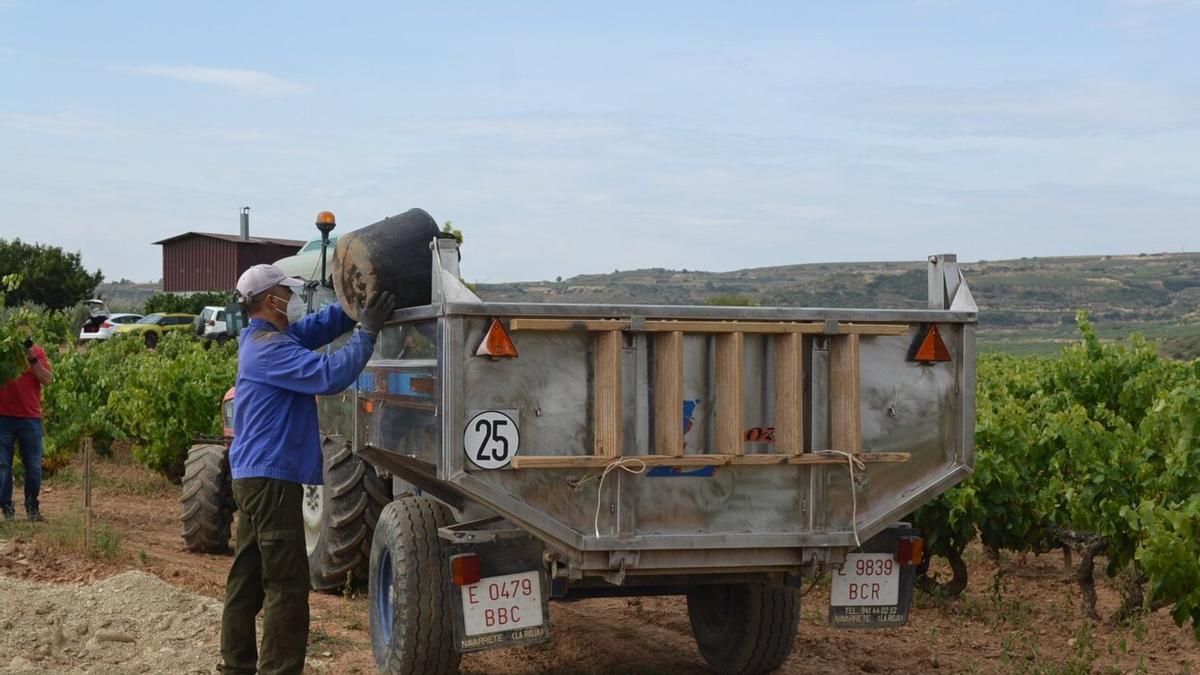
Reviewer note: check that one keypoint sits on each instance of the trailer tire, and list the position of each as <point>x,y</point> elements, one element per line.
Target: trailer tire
<point>409,591</point>
<point>206,501</point>
<point>347,508</point>
<point>744,629</point>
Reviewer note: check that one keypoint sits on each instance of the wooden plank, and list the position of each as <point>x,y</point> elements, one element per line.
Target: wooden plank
<point>729,432</point>
<point>845,430</point>
<point>760,459</point>
<point>607,413</point>
<point>873,329</point>
<point>668,393</point>
<point>864,457</point>
<point>593,462</point>
<point>716,327</point>
<point>789,394</point>
<point>517,323</point>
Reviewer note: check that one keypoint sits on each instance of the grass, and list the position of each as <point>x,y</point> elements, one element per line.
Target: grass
<point>320,641</point>
<point>108,477</point>
<point>66,532</point>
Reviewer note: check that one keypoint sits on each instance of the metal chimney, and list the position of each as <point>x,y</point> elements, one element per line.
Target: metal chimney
<point>245,223</point>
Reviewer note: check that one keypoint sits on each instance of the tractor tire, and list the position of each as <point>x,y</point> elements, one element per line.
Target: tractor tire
<point>151,339</point>
<point>409,597</point>
<point>206,503</point>
<point>744,629</point>
<point>340,515</point>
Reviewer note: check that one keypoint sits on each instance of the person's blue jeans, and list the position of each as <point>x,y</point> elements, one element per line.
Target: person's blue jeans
<point>26,432</point>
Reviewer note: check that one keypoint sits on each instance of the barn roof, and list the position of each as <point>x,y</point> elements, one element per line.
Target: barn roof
<point>235,238</point>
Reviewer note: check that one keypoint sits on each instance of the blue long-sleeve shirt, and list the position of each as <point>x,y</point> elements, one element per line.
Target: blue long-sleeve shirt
<point>279,376</point>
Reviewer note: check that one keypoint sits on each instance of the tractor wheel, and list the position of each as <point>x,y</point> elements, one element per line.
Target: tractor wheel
<point>207,500</point>
<point>340,515</point>
<point>408,601</point>
<point>744,629</point>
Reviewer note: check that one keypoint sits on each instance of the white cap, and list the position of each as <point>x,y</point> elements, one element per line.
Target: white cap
<point>263,277</point>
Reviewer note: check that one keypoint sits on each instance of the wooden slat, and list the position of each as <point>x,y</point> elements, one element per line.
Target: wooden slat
<point>593,462</point>
<point>607,414</point>
<point>761,459</point>
<point>729,432</point>
<point>844,426</point>
<point>668,393</point>
<point>865,457</point>
<point>568,324</point>
<point>789,394</point>
<point>716,327</point>
<point>706,326</point>
<point>872,329</point>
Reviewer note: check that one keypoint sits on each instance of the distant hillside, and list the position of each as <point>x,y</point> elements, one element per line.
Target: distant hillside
<point>126,297</point>
<point>1026,305</point>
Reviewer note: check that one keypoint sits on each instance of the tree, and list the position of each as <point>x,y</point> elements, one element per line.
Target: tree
<point>448,228</point>
<point>50,276</point>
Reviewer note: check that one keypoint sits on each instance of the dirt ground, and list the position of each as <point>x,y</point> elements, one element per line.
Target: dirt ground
<point>108,612</point>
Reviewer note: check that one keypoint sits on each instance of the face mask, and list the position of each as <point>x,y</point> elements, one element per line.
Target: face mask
<point>295,308</point>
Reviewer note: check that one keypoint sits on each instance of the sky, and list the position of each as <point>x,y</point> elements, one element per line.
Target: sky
<point>582,137</point>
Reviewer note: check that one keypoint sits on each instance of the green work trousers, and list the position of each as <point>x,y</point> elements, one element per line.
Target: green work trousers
<point>269,572</point>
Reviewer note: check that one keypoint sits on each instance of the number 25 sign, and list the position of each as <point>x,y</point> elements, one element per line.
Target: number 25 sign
<point>491,439</point>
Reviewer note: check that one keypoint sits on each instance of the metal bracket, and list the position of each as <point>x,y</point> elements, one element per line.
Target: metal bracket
<point>620,561</point>
<point>474,532</point>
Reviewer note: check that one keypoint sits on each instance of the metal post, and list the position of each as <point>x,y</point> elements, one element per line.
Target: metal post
<point>87,495</point>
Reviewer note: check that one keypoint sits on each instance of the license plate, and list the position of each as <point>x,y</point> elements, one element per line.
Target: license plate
<point>512,602</point>
<point>866,579</point>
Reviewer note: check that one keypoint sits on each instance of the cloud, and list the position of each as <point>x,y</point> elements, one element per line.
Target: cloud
<point>251,82</point>
<point>1032,110</point>
<point>53,123</point>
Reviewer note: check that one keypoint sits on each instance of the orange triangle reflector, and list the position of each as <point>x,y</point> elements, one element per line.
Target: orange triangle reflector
<point>497,343</point>
<point>932,348</point>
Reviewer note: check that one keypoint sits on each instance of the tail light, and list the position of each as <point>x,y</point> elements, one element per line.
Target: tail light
<point>107,324</point>
<point>910,550</point>
<point>464,569</point>
<point>210,322</point>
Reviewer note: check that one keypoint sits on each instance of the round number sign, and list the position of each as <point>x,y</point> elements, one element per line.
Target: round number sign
<point>491,440</point>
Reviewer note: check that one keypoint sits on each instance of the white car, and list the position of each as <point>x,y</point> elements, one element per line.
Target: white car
<point>306,264</point>
<point>213,319</point>
<point>104,326</point>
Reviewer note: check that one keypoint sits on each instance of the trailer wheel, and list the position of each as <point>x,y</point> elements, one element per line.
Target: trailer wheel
<point>744,629</point>
<point>409,590</point>
<point>206,503</point>
<point>340,515</point>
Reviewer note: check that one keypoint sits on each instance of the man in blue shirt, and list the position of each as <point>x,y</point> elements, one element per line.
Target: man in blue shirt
<point>275,451</point>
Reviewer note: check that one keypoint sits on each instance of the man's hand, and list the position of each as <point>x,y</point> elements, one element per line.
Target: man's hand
<point>376,311</point>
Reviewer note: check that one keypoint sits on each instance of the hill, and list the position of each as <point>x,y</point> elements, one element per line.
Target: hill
<point>1026,305</point>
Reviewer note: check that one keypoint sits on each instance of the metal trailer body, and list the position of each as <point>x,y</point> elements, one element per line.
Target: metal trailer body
<point>591,389</point>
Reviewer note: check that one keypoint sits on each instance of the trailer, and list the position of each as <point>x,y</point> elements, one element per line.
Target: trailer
<point>559,451</point>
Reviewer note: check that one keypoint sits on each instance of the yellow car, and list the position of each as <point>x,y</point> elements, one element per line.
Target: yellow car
<point>152,326</point>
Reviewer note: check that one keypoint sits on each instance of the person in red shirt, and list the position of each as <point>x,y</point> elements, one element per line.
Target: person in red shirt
<point>21,423</point>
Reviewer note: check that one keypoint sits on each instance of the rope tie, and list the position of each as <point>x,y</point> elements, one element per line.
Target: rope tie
<point>632,465</point>
<point>852,462</point>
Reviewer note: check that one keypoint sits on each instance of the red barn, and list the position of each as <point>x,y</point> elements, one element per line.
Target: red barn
<point>204,261</point>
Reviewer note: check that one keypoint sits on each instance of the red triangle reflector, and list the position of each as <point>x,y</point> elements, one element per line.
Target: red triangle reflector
<point>932,348</point>
<point>497,343</point>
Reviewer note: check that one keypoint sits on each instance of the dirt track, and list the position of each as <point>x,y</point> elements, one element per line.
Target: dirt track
<point>1027,622</point>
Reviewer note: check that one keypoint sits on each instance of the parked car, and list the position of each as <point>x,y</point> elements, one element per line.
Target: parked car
<point>152,326</point>
<point>104,326</point>
<point>306,264</point>
<point>212,321</point>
